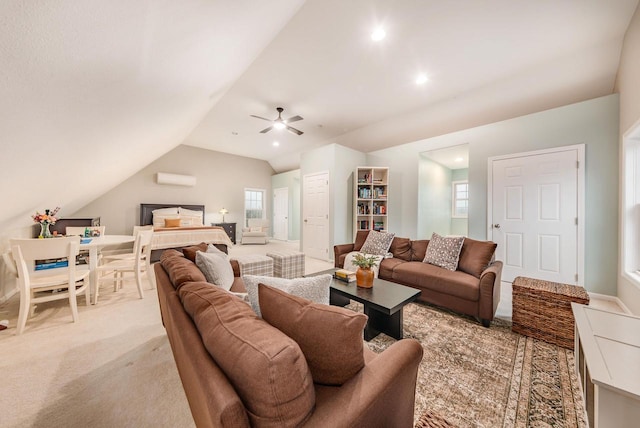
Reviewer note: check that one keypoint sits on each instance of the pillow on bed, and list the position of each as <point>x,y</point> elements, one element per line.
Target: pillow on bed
<point>158,220</point>
<point>171,222</point>
<point>165,211</point>
<point>187,220</point>
<point>192,213</point>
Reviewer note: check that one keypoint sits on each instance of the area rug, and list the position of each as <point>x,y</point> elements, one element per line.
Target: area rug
<point>471,376</point>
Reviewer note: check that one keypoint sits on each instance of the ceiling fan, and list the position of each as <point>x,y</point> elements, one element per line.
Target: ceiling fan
<point>281,123</point>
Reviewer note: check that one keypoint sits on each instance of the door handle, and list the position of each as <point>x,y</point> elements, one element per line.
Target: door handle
<point>305,220</point>
<point>496,226</point>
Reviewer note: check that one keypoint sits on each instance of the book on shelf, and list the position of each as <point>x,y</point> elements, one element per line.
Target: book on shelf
<point>344,275</point>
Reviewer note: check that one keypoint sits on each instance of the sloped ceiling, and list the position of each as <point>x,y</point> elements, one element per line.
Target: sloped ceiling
<point>92,91</point>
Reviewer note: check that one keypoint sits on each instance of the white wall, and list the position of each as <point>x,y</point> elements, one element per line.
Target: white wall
<point>434,198</point>
<point>628,85</point>
<point>221,180</point>
<point>593,122</point>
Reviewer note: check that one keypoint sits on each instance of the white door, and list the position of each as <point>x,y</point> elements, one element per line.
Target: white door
<point>534,215</point>
<point>281,213</point>
<point>315,215</point>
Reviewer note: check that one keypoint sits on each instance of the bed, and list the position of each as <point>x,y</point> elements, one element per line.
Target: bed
<point>180,225</point>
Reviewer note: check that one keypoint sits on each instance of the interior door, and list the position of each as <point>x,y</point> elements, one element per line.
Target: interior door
<point>315,215</point>
<point>281,213</point>
<point>534,215</point>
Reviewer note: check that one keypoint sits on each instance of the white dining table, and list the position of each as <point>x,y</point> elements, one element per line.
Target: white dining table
<point>93,246</point>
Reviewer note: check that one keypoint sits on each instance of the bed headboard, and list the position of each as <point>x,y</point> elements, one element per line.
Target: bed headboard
<point>146,211</point>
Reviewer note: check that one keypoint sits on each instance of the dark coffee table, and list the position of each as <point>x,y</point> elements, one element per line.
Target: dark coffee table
<point>383,303</point>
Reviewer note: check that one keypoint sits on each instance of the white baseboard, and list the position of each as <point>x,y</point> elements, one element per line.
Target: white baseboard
<point>614,299</point>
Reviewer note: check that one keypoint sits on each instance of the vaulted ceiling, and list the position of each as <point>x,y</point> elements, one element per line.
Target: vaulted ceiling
<point>93,91</point>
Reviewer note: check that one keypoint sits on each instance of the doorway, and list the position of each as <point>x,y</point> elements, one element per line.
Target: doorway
<point>315,215</point>
<point>281,214</point>
<point>536,214</point>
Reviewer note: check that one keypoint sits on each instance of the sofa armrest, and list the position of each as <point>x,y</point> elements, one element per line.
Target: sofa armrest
<point>339,250</point>
<point>236,268</point>
<point>490,291</point>
<point>382,394</point>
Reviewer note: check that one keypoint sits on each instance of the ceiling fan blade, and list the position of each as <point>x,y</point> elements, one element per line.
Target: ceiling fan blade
<point>294,131</point>
<point>253,115</point>
<point>294,119</point>
<point>265,130</point>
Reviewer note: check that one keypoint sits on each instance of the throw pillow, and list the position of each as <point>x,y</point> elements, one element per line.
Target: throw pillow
<point>171,222</point>
<point>377,243</point>
<point>314,288</point>
<point>190,252</point>
<point>444,252</point>
<point>266,368</point>
<point>212,249</point>
<point>475,256</point>
<point>216,268</point>
<point>180,269</point>
<point>330,337</point>
<point>255,229</point>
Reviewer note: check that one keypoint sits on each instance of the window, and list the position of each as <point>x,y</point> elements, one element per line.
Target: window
<point>460,199</point>
<point>254,205</point>
<point>631,216</point>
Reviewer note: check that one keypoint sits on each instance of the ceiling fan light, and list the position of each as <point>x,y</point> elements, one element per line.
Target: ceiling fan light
<point>279,125</point>
<point>378,34</point>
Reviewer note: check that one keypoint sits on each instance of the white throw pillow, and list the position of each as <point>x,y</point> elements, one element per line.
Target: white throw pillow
<point>314,288</point>
<point>255,229</point>
<point>166,211</point>
<point>191,213</point>
<point>444,252</point>
<point>377,243</point>
<point>216,268</point>
<point>215,250</point>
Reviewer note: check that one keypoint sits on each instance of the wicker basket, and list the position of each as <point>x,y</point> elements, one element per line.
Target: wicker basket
<point>542,309</point>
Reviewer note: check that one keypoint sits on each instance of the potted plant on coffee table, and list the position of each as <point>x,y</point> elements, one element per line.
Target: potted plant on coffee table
<point>364,274</point>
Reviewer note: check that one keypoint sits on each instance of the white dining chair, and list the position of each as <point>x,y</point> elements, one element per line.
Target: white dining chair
<point>46,285</point>
<point>138,265</point>
<point>129,255</point>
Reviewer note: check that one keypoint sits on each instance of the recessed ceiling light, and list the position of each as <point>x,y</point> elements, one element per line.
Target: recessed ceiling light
<point>378,34</point>
<point>276,144</point>
<point>421,79</point>
<point>459,159</point>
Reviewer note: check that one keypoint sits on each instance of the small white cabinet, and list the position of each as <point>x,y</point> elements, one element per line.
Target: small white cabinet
<point>370,198</point>
<point>607,355</point>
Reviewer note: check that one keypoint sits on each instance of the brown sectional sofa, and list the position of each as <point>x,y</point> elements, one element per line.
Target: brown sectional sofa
<point>473,289</point>
<point>381,394</point>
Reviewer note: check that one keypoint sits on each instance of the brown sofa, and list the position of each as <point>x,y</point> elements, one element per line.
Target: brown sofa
<point>473,289</point>
<point>381,394</point>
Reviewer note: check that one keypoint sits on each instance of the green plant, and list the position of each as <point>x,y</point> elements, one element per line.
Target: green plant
<point>365,261</point>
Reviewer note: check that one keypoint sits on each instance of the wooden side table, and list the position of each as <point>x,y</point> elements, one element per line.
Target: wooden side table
<point>230,228</point>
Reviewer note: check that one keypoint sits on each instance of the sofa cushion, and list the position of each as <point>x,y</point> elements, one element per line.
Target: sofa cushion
<point>401,248</point>
<point>330,337</point>
<point>314,288</point>
<point>430,277</point>
<point>387,266</point>
<point>419,249</point>
<point>361,236</point>
<point>267,368</point>
<point>377,243</point>
<point>444,251</point>
<point>475,256</point>
<point>179,268</point>
<point>216,268</point>
<point>190,252</point>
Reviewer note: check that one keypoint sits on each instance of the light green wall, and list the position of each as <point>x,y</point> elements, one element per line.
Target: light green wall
<point>290,180</point>
<point>459,226</point>
<point>593,123</point>
<point>434,198</point>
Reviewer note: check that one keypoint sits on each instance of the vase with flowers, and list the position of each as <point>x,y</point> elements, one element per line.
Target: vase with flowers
<point>45,220</point>
<point>364,274</point>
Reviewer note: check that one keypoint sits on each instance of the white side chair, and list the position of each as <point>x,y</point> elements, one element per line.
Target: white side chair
<point>256,233</point>
<point>38,286</point>
<point>139,264</point>
<point>130,255</point>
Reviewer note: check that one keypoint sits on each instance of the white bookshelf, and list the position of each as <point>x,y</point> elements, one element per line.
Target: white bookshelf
<point>370,198</point>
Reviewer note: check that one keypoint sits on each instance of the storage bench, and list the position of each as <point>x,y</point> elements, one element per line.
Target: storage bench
<point>287,264</point>
<point>542,309</point>
<point>255,264</point>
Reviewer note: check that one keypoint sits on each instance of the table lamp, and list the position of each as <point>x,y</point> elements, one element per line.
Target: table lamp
<point>223,211</point>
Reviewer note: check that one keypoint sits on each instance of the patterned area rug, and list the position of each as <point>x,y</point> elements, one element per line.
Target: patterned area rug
<point>471,376</point>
